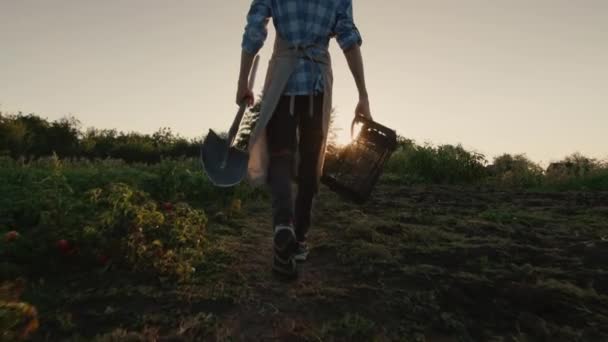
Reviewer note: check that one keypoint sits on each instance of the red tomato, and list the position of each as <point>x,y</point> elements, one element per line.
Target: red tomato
<point>64,246</point>
<point>11,236</point>
<point>103,259</point>
<point>167,206</point>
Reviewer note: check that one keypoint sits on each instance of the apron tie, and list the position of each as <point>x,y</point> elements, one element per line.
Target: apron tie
<point>311,104</point>
<point>292,104</point>
<point>305,51</point>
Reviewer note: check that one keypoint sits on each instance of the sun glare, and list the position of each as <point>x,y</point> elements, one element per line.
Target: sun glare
<point>344,138</point>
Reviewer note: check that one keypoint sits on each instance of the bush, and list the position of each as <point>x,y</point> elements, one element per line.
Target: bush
<point>65,226</point>
<point>129,226</point>
<point>577,172</point>
<point>515,171</point>
<point>32,137</point>
<point>446,164</point>
<point>116,224</point>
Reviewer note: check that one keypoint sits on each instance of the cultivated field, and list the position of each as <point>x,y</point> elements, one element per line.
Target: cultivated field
<point>111,251</point>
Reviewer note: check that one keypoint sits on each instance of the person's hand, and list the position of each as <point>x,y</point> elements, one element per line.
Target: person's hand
<point>363,108</point>
<point>244,94</point>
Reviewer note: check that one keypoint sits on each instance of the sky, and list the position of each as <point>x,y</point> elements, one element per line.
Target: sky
<point>501,76</point>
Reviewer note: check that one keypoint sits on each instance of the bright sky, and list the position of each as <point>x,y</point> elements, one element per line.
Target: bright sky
<point>517,76</point>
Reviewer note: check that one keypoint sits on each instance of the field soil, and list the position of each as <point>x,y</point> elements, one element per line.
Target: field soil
<point>416,263</point>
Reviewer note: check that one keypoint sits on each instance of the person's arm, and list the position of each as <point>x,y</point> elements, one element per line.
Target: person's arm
<point>350,41</point>
<point>355,63</point>
<point>253,40</point>
<point>243,92</point>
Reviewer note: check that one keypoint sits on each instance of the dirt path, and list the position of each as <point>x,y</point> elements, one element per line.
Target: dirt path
<point>275,309</point>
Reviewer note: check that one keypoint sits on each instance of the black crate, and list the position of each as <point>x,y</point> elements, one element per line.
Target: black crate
<point>353,171</point>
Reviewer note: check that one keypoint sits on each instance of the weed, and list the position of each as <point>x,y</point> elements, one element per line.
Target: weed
<point>351,327</point>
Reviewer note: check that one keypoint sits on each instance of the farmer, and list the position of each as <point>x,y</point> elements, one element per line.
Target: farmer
<point>289,140</point>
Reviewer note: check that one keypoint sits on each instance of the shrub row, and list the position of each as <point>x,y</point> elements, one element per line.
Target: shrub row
<point>56,213</point>
<point>448,164</point>
<point>30,136</point>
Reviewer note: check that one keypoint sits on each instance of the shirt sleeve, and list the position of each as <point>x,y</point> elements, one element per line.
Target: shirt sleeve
<point>347,33</point>
<point>256,29</point>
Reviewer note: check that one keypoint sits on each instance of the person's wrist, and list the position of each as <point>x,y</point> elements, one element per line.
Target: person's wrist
<point>242,83</point>
<point>363,96</point>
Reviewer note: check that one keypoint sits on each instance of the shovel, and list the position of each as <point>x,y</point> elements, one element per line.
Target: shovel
<point>224,164</point>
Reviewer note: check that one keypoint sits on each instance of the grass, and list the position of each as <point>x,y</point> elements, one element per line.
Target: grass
<point>351,327</point>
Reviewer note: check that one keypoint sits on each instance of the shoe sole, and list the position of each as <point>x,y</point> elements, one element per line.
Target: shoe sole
<point>285,245</point>
<point>301,257</point>
<point>285,242</point>
<point>283,272</point>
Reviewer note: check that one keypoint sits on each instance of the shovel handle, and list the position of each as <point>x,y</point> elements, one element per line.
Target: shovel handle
<point>239,115</point>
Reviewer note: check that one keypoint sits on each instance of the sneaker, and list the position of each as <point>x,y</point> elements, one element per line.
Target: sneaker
<point>287,268</point>
<point>301,251</point>
<point>284,240</point>
<point>284,250</point>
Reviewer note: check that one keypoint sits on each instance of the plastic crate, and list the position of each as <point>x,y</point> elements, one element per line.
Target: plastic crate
<point>355,169</point>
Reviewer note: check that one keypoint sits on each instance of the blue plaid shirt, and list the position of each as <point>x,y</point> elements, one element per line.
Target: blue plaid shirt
<point>302,22</point>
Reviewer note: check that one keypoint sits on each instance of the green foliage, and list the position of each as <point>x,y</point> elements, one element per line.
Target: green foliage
<point>577,172</point>
<point>103,212</point>
<point>130,226</point>
<point>30,136</point>
<point>499,216</point>
<point>445,164</point>
<point>449,164</point>
<point>515,171</point>
<point>351,327</point>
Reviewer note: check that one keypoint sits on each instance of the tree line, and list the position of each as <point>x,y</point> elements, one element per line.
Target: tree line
<point>30,136</point>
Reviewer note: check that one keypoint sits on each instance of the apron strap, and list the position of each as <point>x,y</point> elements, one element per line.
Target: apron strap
<point>304,50</point>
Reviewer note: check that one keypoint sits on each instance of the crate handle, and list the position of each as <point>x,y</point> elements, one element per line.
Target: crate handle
<point>358,118</point>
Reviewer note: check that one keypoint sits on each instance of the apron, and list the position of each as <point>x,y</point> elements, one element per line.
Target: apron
<point>283,63</point>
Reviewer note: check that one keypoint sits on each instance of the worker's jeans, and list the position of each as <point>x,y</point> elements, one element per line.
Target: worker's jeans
<point>282,132</point>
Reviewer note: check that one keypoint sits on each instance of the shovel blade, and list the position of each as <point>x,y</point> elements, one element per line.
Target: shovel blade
<point>225,166</point>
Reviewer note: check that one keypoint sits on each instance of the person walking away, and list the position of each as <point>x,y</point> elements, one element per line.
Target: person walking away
<point>289,140</point>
